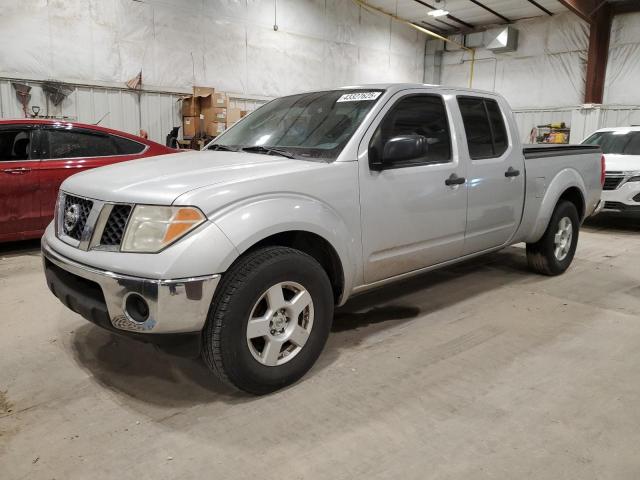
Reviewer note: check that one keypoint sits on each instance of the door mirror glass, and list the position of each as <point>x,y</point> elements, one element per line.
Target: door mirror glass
<point>404,147</point>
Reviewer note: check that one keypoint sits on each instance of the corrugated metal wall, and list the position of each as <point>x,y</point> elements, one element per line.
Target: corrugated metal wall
<point>620,116</point>
<point>118,108</point>
<point>583,121</point>
<point>122,109</point>
<point>159,112</point>
<point>528,119</point>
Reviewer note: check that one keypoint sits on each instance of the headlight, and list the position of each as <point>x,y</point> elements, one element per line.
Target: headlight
<point>152,228</point>
<point>635,178</point>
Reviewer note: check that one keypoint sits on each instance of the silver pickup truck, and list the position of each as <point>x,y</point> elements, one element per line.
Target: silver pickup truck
<point>241,251</point>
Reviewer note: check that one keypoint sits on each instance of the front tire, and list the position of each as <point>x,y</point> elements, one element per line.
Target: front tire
<point>269,320</point>
<point>554,252</point>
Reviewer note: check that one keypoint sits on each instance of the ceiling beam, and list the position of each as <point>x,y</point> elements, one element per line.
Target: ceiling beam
<point>626,7</point>
<point>536,4</point>
<point>436,28</point>
<point>481,5</point>
<point>450,17</point>
<point>583,8</point>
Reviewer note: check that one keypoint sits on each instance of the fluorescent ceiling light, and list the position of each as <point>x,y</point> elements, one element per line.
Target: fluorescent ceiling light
<point>438,13</point>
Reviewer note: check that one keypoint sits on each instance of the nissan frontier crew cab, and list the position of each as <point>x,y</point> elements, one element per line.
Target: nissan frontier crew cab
<point>241,251</point>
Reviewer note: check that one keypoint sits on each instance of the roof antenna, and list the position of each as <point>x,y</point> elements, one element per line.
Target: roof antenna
<point>103,117</point>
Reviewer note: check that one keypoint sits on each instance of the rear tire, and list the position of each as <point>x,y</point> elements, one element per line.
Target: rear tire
<point>269,320</point>
<point>554,252</point>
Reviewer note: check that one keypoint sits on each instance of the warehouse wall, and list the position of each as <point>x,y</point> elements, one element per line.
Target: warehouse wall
<point>623,67</point>
<point>548,69</point>
<point>228,44</point>
<point>130,111</point>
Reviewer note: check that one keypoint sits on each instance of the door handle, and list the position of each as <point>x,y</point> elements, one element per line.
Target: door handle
<point>16,171</point>
<point>511,172</point>
<point>454,180</point>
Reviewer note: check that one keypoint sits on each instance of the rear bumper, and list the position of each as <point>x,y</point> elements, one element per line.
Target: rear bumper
<point>621,209</point>
<point>175,307</point>
<point>624,200</point>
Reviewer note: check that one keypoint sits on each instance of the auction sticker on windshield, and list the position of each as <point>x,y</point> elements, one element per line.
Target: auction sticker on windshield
<point>359,97</point>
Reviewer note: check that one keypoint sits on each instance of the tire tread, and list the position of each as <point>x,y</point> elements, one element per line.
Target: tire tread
<point>233,280</point>
<point>540,254</point>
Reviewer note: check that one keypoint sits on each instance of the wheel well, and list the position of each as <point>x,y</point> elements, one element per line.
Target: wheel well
<point>574,195</point>
<point>315,246</point>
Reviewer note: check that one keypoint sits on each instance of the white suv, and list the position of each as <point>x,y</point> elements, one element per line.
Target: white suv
<point>621,147</point>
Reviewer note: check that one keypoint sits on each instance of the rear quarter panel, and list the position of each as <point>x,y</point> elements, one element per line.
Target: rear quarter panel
<point>547,178</point>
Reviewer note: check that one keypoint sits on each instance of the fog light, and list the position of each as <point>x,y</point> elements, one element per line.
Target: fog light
<point>137,308</point>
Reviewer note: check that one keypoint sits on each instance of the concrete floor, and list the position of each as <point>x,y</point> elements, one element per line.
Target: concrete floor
<point>483,370</point>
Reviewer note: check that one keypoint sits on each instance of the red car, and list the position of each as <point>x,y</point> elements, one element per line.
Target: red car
<point>36,155</point>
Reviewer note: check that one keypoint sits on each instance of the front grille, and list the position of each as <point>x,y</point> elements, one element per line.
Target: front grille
<point>611,182</point>
<point>613,205</point>
<point>74,215</point>
<point>114,229</point>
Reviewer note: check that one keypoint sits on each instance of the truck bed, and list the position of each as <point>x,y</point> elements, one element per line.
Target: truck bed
<point>550,169</point>
<point>552,150</point>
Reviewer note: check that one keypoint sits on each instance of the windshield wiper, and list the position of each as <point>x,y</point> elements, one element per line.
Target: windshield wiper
<point>267,150</point>
<point>217,146</point>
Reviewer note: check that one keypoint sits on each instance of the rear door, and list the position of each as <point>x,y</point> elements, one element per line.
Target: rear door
<point>19,182</point>
<point>495,175</point>
<point>68,150</point>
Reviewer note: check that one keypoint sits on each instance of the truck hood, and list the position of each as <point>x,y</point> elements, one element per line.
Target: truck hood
<point>622,163</point>
<point>160,180</point>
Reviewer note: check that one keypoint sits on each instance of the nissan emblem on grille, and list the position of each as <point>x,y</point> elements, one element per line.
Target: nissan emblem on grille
<point>71,217</point>
<point>74,216</point>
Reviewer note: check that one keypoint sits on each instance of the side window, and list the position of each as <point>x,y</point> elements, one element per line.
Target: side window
<point>126,146</point>
<point>484,126</point>
<point>15,145</point>
<point>423,115</point>
<point>72,144</point>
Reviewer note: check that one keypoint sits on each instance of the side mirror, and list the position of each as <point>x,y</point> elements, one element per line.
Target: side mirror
<point>404,147</point>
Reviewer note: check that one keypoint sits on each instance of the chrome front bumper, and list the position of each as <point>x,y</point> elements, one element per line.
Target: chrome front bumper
<point>175,306</point>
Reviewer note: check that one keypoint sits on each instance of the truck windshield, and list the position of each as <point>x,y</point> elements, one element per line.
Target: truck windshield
<point>309,126</point>
<point>622,142</point>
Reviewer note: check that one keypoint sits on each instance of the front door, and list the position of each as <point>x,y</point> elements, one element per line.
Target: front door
<point>495,176</point>
<point>413,212</point>
<point>19,183</point>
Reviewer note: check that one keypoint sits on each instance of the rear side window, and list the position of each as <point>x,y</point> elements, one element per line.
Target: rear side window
<point>127,147</point>
<point>15,145</point>
<point>74,143</point>
<point>484,126</point>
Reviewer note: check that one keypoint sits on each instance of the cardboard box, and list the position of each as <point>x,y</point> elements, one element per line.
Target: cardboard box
<point>233,115</point>
<point>190,107</point>
<point>215,128</point>
<point>219,115</point>
<point>201,102</point>
<point>203,92</point>
<point>207,107</point>
<point>202,97</point>
<point>190,126</point>
<point>220,100</point>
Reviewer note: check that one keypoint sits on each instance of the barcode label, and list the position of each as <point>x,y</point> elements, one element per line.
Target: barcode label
<point>359,97</point>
